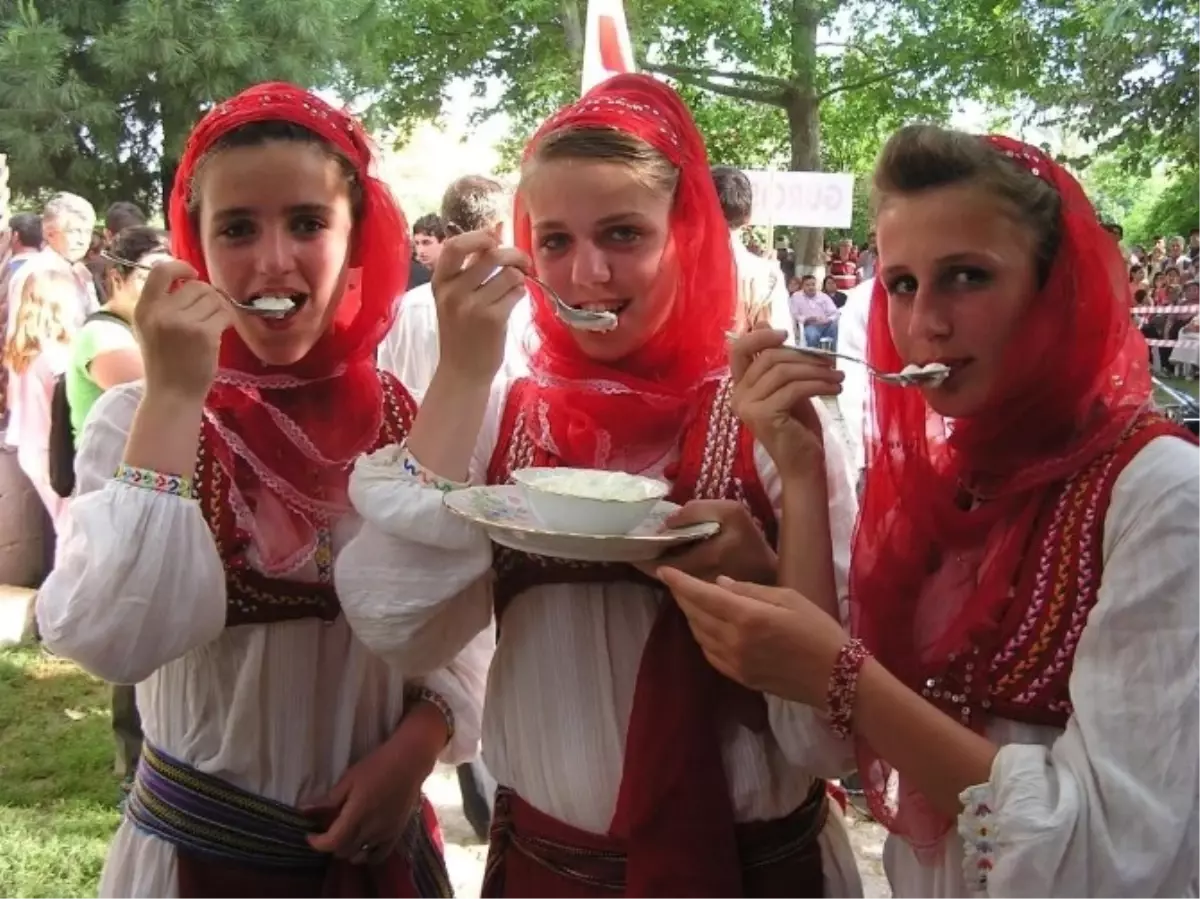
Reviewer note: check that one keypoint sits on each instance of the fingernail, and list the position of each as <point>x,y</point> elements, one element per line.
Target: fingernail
<point>724,581</point>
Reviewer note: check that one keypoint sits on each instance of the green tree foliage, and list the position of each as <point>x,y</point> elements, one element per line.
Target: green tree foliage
<point>1124,73</point>
<point>766,84</point>
<point>1167,206</point>
<point>97,97</point>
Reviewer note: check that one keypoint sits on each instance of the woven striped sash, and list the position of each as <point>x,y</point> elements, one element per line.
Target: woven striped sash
<point>209,817</point>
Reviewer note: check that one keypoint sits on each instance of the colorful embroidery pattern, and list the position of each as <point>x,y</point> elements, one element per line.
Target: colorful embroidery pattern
<point>174,484</point>
<point>976,827</point>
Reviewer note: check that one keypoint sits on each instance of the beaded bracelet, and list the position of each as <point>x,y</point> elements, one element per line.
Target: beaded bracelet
<point>843,686</point>
<point>148,479</point>
<point>423,476</point>
<point>414,693</point>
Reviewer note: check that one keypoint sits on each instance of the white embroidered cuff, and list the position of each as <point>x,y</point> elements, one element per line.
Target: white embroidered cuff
<point>975,826</point>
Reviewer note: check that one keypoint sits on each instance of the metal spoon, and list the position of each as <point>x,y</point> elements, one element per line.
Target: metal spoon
<point>913,379</point>
<point>579,319</point>
<point>245,307</point>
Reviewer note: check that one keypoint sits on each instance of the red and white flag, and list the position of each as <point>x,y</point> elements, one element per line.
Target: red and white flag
<point>607,50</point>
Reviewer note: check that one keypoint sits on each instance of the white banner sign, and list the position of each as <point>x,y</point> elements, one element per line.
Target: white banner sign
<point>801,199</point>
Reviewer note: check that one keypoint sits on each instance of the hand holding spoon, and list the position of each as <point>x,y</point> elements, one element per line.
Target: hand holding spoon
<point>579,319</point>
<point>912,376</point>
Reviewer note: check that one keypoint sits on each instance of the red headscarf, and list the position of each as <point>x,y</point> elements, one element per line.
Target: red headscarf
<point>1077,375</point>
<point>627,415</point>
<point>292,432</point>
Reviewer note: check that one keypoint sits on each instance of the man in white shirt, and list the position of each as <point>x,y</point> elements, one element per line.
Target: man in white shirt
<point>762,292</point>
<point>67,223</point>
<point>410,350</point>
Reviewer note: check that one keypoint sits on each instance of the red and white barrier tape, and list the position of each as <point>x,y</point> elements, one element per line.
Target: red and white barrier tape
<point>1155,342</point>
<point>1165,310</point>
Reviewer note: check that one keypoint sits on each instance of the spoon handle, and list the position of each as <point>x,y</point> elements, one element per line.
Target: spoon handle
<point>141,266</point>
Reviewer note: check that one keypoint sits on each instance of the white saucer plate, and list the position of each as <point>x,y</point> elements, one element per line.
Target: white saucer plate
<point>508,520</point>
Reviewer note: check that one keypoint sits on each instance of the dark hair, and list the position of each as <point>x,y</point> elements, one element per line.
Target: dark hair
<point>808,277</point>
<point>28,228</point>
<point>1193,231</point>
<point>122,215</point>
<point>134,243</point>
<point>1136,268</point>
<point>829,278</point>
<point>1114,229</point>
<point>735,193</point>
<point>1139,295</point>
<point>473,203</point>
<point>430,224</point>
<point>255,134</point>
<point>925,157</point>
<point>1169,269</point>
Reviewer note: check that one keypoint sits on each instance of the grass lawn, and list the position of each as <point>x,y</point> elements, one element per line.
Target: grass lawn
<point>58,792</point>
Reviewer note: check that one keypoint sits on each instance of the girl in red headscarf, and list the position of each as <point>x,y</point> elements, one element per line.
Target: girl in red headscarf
<point>1022,682</point>
<point>281,759</point>
<point>626,764</point>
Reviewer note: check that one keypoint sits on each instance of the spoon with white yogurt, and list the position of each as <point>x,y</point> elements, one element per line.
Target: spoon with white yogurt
<point>931,375</point>
<point>264,306</point>
<point>579,319</point>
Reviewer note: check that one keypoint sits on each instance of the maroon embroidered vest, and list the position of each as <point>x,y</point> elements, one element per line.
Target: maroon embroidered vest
<point>252,597</point>
<point>1023,672</point>
<point>716,461</point>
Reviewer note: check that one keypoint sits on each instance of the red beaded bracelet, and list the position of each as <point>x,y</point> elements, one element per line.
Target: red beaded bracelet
<point>843,686</point>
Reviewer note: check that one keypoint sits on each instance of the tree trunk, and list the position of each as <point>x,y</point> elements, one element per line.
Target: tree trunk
<point>804,124</point>
<point>804,128</point>
<point>573,26</point>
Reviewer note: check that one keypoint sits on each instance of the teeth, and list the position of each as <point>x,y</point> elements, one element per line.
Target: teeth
<point>603,307</point>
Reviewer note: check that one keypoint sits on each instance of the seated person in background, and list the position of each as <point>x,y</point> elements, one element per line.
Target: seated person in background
<point>814,314</point>
<point>830,289</point>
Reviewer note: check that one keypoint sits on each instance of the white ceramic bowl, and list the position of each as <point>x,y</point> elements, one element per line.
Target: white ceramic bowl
<point>584,501</point>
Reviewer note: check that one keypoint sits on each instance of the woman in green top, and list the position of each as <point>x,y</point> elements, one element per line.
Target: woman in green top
<point>104,352</point>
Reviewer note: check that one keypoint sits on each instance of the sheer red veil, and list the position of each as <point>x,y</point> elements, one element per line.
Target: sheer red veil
<point>628,415</point>
<point>290,433</point>
<point>1078,374</point>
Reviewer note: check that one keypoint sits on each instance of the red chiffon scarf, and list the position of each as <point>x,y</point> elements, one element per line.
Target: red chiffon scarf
<point>1078,376</point>
<point>290,433</point>
<point>627,415</point>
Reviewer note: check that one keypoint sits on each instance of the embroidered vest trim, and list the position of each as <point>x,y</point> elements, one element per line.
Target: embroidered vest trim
<point>253,597</point>
<point>716,462</point>
<point>1024,675</point>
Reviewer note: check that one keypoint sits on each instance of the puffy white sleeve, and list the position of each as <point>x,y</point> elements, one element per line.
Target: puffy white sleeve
<point>137,581</point>
<point>463,683</point>
<point>1109,808</point>
<point>415,581</point>
<point>802,731</point>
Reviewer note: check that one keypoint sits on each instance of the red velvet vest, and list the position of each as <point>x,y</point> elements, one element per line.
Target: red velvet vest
<point>716,461</point>
<point>252,597</point>
<point>1022,671</point>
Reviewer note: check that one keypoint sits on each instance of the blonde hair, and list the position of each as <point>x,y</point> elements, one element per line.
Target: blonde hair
<point>41,319</point>
<point>646,163</point>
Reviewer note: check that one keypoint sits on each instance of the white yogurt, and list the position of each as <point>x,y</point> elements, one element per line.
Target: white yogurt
<point>273,304</point>
<point>612,486</point>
